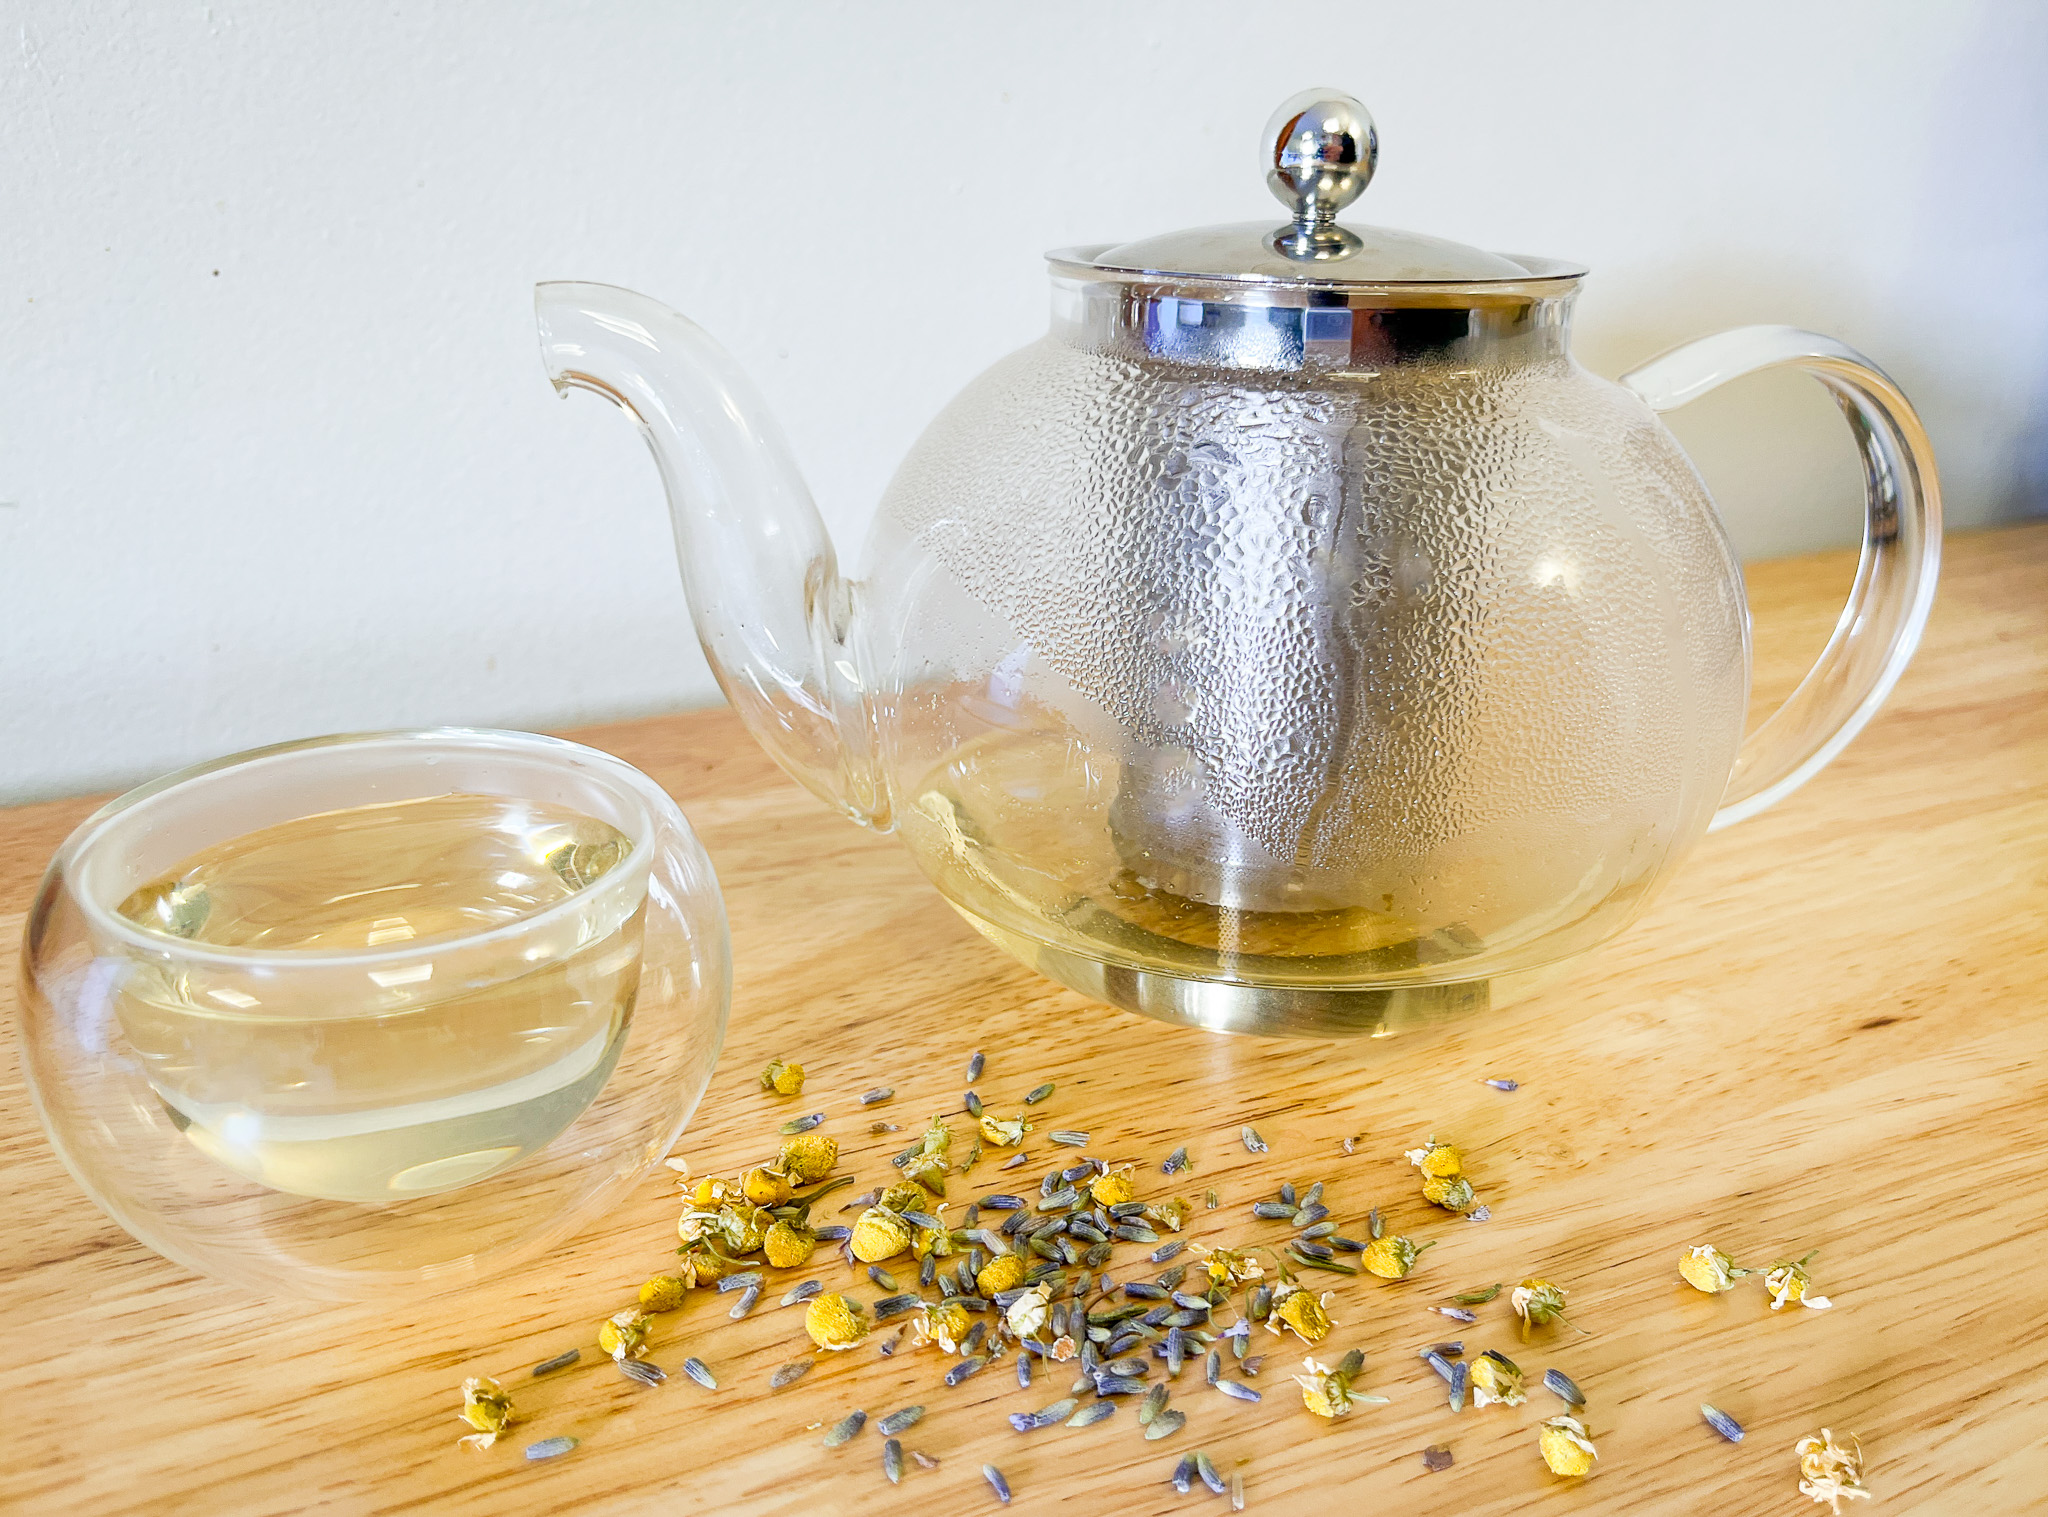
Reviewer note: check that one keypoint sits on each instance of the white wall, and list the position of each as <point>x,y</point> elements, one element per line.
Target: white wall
<point>275,450</point>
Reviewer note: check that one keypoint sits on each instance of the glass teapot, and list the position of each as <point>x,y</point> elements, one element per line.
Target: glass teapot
<point>1295,639</point>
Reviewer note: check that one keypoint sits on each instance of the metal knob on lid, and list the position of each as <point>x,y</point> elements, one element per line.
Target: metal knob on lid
<point>1322,148</point>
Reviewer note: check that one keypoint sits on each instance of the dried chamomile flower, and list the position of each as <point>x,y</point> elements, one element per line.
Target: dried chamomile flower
<point>1828,1471</point>
<point>1026,1315</point>
<point>908,1195</point>
<point>1113,1188</point>
<point>879,1234</point>
<point>788,1246</point>
<point>1170,1214</point>
<point>1566,1447</point>
<point>765,1187</point>
<point>783,1079</point>
<point>623,1335</point>
<point>808,1157</point>
<point>1435,1158</point>
<point>1496,1381</point>
<point>712,1192</point>
<point>936,1241</point>
<point>1790,1285</point>
<point>487,1408</point>
<point>945,1324</point>
<point>664,1293</point>
<point>1324,1391</point>
<point>1230,1266</point>
<point>1002,1273</point>
<point>833,1323</point>
<point>1299,1308</point>
<point>739,1225</point>
<point>1538,1303</point>
<point>1004,1132</point>
<point>1706,1268</point>
<point>1392,1256</point>
<point>1451,1192</point>
<point>698,1265</point>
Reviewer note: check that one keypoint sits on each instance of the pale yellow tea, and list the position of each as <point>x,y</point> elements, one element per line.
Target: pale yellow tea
<point>440,1019</point>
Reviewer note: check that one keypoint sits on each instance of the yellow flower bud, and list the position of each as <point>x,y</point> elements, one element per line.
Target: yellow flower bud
<point>1169,1214</point>
<point>1565,1447</point>
<point>1537,1303</point>
<point>1706,1268</point>
<point>700,1266</point>
<point>1003,1273</point>
<point>908,1195</point>
<point>879,1234</point>
<point>487,1408</point>
<point>1323,1391</point>
<point>664,1293</point>
<point>1113,1189</point>
<point>711,1192</point>
<point>1229,1266</point>
<point>1496,1380</point>
<point>944,1325</point>
<point>765,1187</point>
<point>788,1246</point>
<point>783,1079</point>
<point>1435,1158</point>
<point>808,1157</point>
<point>623,1335</point>
<point>833,1323</point>
<point>1297,1307</point>
<point>1451,1192</point>
<point>1392,1257</point>
<point>1004,1132</point>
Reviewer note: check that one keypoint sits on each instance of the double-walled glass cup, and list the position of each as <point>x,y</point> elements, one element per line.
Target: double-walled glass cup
<point>340,1123</point>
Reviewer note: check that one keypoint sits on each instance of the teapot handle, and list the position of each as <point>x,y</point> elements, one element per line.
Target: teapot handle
<point>1894,588</point>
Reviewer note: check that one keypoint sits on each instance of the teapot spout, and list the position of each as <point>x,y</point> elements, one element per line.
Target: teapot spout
<point>776,621</point>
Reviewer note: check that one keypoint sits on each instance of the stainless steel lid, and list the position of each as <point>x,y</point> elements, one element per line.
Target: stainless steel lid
<point>1321,149</point>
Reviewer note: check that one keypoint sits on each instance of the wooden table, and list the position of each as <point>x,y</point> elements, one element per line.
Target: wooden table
<point>1828,1032</point>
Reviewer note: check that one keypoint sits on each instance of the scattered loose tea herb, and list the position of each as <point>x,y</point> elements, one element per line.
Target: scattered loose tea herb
<point>550,1448</point>
<point>1562,1386</point>
<point>783,1079</point>
<point>1829,1471</point>
<point>1789,1284</point>
<point>1252,1141</point>
<point>1166,1423</point>
<point>1566,1447</point>
<point>845,1428</point>
<point>1706,1268</point>
<point>790,1373</point>
<point>802,1124</point>
<point>1038,1093</point>
<point>1436,1458</point>
<point>1721,1422</point>
<point>487,1408</point>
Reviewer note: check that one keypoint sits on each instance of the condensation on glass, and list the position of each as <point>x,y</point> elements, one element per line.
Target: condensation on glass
<point>1295,638</point>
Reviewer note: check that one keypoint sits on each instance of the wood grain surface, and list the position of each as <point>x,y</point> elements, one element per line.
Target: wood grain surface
<point>1827,1033</point>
